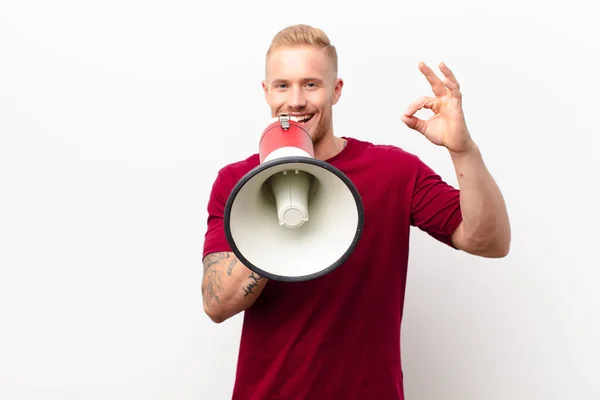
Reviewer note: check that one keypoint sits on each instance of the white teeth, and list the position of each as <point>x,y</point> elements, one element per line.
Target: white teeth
<point>303,117</point>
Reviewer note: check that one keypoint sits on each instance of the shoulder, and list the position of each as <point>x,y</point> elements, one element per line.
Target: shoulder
<point>229,174</point>
<point>235,170</point>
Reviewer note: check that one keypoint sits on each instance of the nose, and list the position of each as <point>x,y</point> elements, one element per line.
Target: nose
<point>296,98</point>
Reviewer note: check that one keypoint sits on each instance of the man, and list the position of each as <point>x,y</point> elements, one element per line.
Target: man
<point>338,336</point>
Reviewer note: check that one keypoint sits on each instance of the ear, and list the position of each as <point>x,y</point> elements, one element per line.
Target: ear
<point>265,88</point>
<point>337,90</point>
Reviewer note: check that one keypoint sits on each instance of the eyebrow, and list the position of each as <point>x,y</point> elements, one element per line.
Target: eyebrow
<point>309,79</point>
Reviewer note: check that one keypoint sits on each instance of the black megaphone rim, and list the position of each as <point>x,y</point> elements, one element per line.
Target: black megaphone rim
<point>288,160</point>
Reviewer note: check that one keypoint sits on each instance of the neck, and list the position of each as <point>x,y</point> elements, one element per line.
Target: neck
<point>329,147</point>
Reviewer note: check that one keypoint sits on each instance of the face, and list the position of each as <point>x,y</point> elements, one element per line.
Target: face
<point>301,81</point>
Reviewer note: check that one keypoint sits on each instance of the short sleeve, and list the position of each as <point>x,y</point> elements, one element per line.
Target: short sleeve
<point>214,238</point>
<point>435,207</point>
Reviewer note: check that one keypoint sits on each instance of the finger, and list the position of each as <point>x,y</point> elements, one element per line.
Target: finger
<point>449,74</point>
<point>453,88</point>
<point>414,123</point>
<point>450,82</point>
<point>438,87</point>
<point>423,102</point>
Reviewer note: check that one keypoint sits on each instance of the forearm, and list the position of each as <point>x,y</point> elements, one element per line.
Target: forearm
<point>228,287</point>
<point>486,227</point>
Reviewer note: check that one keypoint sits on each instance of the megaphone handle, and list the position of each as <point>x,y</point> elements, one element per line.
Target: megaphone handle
<point>284,120</point>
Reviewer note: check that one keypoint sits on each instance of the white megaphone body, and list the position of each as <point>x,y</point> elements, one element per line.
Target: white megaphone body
<point>293,217</point>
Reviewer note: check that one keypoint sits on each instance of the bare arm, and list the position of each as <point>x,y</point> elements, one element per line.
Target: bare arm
<point>485,230</point>
<point>228,287</point>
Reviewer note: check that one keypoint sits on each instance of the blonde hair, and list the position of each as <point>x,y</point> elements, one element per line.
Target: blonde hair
<point>302,35</point>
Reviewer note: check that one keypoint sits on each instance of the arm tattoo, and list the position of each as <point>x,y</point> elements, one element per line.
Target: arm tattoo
<point>255,278</point>
<point>216,258</point>
<point>213,259</point>
<point>213,287</point>
<point>232,264</point>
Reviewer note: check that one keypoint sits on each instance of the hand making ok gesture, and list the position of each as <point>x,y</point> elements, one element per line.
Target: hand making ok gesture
<point>447,127</point>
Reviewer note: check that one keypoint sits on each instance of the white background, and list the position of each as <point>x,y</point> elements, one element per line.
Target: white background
<point>116,115</point>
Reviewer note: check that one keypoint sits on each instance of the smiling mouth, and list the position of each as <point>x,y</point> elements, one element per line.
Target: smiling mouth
<point>304,118</point>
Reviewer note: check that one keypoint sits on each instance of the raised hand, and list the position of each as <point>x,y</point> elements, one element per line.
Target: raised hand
<point>447,127</point>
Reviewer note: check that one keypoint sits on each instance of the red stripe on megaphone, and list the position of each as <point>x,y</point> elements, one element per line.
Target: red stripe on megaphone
<point>275,137</point>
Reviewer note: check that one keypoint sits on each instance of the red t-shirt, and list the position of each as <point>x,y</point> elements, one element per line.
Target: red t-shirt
<point>338,336</point>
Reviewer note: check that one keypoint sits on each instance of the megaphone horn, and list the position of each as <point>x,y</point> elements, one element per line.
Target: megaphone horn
<point>293,217</point>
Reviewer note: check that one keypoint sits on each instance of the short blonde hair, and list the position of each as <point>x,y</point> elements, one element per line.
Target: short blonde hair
<point>301,35</point>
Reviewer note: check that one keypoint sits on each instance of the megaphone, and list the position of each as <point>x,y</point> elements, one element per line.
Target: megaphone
<point>293,217</point>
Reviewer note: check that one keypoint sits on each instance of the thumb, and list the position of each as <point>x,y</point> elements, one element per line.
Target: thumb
<point>414,123</point>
